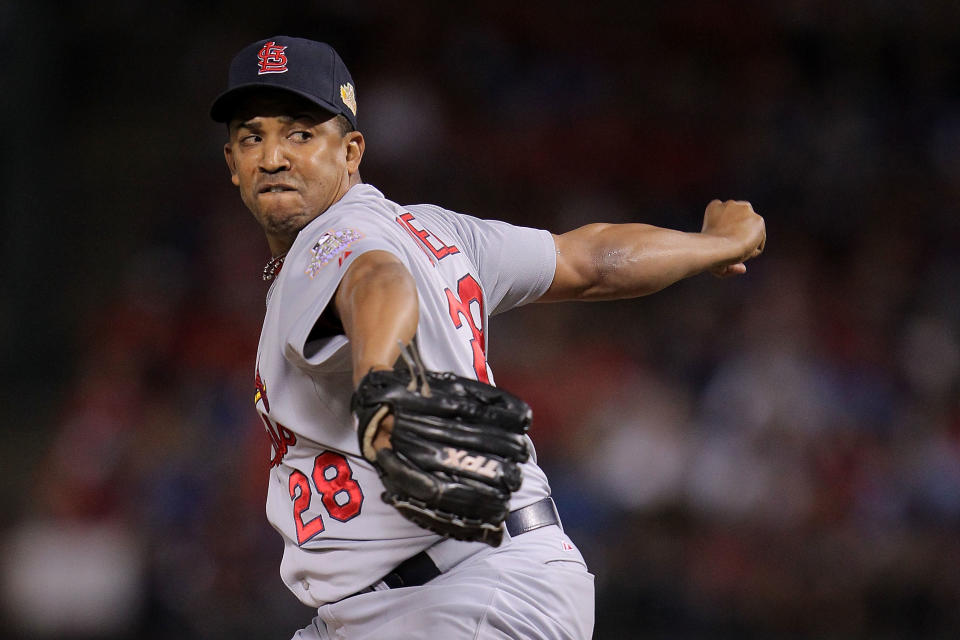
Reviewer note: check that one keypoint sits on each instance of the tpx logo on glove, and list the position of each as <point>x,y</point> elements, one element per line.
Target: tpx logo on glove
<point>458,459</point>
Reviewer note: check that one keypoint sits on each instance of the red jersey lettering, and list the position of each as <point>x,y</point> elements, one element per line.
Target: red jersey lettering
<point>429,241</point>
<point>468,292</point>
<point>280,437</point>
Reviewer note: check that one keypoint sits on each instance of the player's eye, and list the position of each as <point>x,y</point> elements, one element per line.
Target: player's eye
<point>301,136</point>
<point>250,139</point>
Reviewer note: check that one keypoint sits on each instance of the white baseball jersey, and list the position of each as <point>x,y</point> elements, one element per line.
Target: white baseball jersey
<point>323,497</point>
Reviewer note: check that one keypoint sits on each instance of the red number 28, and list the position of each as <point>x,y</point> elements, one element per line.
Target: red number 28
<point>340,494</point>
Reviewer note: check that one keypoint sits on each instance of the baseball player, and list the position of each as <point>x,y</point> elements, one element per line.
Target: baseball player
<point>401,480</point>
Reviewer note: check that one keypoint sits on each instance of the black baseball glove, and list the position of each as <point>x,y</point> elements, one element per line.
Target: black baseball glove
<point>457,445</point>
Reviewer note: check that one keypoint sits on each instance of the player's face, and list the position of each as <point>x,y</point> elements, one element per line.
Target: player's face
<point>291,162</point>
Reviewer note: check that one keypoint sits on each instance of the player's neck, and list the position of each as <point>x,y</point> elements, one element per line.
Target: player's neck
<point>279,245</point>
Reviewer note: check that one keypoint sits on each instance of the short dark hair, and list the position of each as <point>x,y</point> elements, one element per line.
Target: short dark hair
<point>343,124</point>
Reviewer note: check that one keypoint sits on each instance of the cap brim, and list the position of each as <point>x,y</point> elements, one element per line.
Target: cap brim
<point>225,104</point>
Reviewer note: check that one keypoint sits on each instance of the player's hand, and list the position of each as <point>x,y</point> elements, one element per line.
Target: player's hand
<point>382,438</point>
<point>745,231</point>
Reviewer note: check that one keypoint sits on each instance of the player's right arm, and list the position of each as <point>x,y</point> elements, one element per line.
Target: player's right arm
<point>377,304</point>
<point>614,261</point>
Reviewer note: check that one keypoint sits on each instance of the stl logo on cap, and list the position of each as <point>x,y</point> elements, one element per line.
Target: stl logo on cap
<point>272,59</point>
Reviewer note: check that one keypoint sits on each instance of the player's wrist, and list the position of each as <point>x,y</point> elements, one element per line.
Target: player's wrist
<point>361,371</point>
<point>723,249</point>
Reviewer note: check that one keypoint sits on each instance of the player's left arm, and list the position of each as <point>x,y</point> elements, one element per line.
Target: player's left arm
<point>409,422</point>
<point>613,261</point>
<point>377,304</point>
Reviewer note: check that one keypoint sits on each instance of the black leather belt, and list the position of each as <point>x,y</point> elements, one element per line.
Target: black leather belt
<point>420,569</point>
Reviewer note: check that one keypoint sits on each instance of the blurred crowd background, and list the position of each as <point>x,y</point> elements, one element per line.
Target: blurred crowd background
<point>772,456</point>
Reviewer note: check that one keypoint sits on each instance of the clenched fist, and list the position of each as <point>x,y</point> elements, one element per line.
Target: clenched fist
<point>736,222</point>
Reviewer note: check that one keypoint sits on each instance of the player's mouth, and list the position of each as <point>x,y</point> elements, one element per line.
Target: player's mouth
<point>276,188</point>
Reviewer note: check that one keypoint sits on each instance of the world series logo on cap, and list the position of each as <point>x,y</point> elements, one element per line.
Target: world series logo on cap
<point>272,59</point>
<point>349,97</point>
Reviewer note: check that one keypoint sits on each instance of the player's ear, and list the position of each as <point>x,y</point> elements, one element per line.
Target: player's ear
<point>355,145</point>
<point>231,164</point>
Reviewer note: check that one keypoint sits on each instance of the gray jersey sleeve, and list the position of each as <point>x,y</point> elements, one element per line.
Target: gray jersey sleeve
<point>309,291</point>
<point>516,264</point>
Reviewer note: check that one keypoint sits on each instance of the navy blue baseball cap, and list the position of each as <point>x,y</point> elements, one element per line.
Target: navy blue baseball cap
<point>312,70</point>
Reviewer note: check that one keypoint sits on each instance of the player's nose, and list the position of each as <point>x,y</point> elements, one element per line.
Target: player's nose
<point>273,157</point>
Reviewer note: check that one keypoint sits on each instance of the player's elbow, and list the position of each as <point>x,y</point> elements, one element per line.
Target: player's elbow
<point>610,262</point>
<point>587,266</point>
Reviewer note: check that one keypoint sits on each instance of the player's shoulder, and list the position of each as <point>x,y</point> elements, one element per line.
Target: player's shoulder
<point>362,212</point>
<point>330,236</point>
<point>456,222</point>
<point>363,200</point>
<point>430,209</point>
<point>435,210</point>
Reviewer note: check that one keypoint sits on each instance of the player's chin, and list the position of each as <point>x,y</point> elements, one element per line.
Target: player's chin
<point>281,222</point>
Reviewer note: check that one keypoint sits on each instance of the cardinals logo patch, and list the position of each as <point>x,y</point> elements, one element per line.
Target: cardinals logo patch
<point>330,245</point>
<point>272,59</point>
